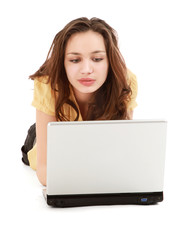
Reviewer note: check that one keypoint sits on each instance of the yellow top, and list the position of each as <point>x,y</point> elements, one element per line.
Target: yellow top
<point>43,100</point>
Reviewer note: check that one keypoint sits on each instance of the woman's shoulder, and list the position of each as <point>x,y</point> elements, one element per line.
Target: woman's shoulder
<point>42,85</point>
<point>42,79</point>
<point>131,76</point>
<point>43,97</point>
<point>132,82</point>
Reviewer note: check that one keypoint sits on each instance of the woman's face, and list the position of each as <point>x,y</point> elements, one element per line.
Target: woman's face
<point>86,62</point>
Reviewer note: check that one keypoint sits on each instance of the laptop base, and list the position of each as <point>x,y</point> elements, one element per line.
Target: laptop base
<point>80,200</point>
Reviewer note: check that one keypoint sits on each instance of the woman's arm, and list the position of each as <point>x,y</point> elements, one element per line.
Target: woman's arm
<point>42,120</point>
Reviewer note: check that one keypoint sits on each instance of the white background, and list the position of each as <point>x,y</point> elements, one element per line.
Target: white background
<point>155,38</point>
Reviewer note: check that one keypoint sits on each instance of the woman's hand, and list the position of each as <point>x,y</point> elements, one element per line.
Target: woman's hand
<point>130,114</point>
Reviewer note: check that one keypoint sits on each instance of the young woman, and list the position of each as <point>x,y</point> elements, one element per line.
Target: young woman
<point>83,78</point>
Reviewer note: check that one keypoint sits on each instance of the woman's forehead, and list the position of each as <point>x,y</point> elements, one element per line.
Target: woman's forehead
<point>90,42</point>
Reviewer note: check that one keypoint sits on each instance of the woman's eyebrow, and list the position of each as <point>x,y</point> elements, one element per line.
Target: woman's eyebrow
<point>97,51</point>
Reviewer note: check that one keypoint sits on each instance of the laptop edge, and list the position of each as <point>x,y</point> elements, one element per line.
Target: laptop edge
<point>96,199</point>
<point>103,199</point>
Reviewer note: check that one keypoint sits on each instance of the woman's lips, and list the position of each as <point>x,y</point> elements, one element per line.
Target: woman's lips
<point>87,81</point>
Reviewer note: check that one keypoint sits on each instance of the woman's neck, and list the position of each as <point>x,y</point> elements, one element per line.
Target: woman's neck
<point>83,100</point>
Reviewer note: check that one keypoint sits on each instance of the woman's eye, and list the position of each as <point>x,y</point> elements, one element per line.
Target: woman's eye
<point>97,59</point>
<point>74,60</point>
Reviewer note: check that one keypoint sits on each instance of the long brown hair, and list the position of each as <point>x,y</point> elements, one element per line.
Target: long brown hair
<point>109,102</point>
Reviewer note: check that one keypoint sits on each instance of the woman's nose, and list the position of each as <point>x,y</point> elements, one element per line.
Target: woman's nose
<point>86,67</point>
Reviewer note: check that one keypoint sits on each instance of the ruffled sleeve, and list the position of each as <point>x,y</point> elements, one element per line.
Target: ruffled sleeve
<point>132,81</point>
<point>43,96</point>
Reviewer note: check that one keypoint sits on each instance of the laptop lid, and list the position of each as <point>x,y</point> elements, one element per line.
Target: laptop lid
<point>99,157</point>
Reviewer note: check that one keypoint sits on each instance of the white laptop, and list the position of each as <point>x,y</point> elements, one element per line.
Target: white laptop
<point>105,162</point>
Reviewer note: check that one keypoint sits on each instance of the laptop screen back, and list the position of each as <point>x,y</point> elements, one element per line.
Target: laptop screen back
<point>93,157</point>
